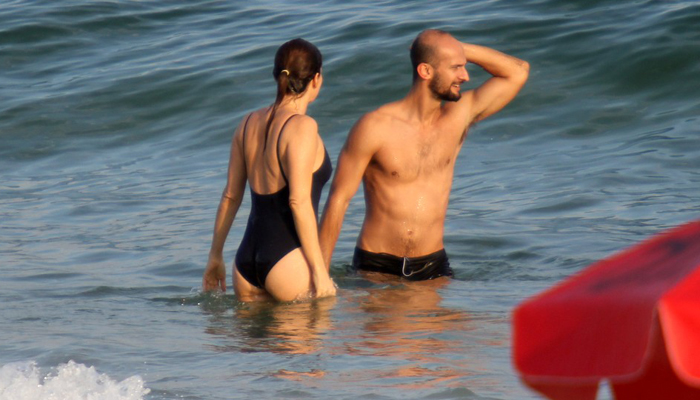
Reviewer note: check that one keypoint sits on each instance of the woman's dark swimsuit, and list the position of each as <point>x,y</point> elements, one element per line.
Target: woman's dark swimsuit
<point>271,234</point>
<point>412,268</point>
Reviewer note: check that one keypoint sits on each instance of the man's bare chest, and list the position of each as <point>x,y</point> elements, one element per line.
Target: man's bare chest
<point>411,159</point>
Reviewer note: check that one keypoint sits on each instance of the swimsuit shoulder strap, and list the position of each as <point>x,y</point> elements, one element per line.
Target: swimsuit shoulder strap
<point>279,139</point>
<point>245,128</point>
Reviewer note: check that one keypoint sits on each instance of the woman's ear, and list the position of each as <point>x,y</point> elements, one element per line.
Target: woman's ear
<point>318,80</point>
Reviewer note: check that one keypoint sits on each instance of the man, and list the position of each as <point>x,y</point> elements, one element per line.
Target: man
<point>405,154</point>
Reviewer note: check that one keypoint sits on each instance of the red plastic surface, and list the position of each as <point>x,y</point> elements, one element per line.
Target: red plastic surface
<point>602,323</point>
<point>679,312</point>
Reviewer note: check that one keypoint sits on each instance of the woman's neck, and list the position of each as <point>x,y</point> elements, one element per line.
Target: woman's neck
<point>296,105</point>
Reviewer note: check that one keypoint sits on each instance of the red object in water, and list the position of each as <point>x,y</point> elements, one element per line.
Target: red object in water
<point>633,319</point>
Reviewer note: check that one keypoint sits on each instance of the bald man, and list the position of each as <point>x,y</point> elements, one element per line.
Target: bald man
<point>405,152</point>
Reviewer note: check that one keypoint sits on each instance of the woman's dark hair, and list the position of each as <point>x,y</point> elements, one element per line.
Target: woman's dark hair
<point>296,64</point>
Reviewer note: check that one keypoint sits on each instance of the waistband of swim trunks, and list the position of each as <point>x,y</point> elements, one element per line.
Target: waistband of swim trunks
<point>392,258</point>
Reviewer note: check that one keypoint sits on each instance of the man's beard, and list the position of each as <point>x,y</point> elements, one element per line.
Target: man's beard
<point>443,94</point>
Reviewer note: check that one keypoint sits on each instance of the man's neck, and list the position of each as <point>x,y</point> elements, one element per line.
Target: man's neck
<point>422,106</point>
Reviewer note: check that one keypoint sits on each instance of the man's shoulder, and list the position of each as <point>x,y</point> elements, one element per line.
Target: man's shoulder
<point>370,131</point>
<point>379,119</point>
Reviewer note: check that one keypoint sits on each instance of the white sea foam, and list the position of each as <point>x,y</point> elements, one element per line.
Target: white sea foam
<point>25,381</point>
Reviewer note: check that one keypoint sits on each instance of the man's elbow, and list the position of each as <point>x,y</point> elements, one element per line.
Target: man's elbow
<point>338,200</point>
<point>523,72</point>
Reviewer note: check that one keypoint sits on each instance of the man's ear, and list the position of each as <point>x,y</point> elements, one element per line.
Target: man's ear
<point>425,70</point>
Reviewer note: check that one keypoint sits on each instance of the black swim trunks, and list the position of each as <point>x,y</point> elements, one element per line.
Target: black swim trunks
<point>413,268</point>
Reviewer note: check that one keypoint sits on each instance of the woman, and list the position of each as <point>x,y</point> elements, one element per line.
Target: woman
<point>279,152</point>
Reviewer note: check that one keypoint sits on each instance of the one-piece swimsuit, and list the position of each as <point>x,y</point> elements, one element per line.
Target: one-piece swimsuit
<point>271,233</point>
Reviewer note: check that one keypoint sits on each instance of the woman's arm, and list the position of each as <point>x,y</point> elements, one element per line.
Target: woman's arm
<point>298,153</point>
<point>215,272</point>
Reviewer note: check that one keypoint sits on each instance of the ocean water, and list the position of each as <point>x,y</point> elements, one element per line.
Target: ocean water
<point>115,124</point>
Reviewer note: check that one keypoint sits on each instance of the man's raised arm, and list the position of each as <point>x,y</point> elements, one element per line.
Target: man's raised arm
<point>509,76</point>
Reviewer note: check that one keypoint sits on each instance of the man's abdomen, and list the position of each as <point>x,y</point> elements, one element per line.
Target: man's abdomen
<point>408,223</point>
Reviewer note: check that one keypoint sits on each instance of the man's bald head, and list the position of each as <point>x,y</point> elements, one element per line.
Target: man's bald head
<point>425,48</point>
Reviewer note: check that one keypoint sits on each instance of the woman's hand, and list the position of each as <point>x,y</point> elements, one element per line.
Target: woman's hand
<point>324,285</point>
<point>215,274</point>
